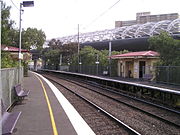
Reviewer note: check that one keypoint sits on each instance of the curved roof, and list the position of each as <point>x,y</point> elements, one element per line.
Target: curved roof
<point>134,31</point>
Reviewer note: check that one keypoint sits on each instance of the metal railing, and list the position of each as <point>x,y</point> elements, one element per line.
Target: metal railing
<point>163,74</point>
<point>160,74</point>
<point>92,70</point>
<point>168,74</point>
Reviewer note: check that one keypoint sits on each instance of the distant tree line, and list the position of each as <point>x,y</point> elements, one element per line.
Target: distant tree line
<point>68,53</point>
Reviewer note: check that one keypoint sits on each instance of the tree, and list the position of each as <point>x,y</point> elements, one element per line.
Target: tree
<point>168,48</point>
<point>51,55</point>
<point>7,35</point>
<point>33,38</point>
<point>55,43</point>
<point>88,56</point>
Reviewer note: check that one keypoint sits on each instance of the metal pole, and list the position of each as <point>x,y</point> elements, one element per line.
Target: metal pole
<point>110,58</point>
<point>0,66</point>
<point>19,78</point>
<point>0,37</point>
<point>78,48</point>
<point>97,63</point>
<point>0,40</point>
<point>60,61</point>
<point>78,40</point>
<point>80,63</point>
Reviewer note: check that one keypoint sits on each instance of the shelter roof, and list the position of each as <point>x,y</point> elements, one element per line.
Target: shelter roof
<point>136,54</point>
<point>12,49</point>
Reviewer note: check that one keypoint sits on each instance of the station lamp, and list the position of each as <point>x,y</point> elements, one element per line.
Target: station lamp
<point>23,4</point>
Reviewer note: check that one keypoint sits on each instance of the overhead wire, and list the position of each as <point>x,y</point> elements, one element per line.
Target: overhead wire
<point>101,14</point>
<point>14,5</point>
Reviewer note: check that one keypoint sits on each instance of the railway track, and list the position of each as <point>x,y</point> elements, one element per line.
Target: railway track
<point>141,124</point>
<point>162,113</point>
<point>98,114</point>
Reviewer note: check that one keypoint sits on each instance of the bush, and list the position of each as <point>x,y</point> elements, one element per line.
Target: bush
<point>7,61</point>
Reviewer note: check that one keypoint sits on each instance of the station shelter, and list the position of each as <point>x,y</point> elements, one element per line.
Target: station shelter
<point>136,64</point>
<point>14,52</point>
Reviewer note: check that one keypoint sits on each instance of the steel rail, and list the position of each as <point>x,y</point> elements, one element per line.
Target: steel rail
<point>126,127</point>
<point>140,100</point>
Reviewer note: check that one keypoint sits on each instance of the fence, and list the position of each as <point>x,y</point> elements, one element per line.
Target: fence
<point>168,74</point>
<point>161,74</point>
<point>9,78</point>
<point>94,70</point>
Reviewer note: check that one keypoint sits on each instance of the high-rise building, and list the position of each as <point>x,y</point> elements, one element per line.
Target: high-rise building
<point>144,17</point>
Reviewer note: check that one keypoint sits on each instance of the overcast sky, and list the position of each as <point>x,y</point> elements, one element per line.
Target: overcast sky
<point>58,18</point>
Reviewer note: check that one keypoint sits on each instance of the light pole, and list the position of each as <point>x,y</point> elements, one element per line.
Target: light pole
<point>24,4</point>
<point>110,58</point>
<point>97,63</point>
<point>80,63</point>
<point>78,50</point>
<point>60,61</point>
<point>0,60</point>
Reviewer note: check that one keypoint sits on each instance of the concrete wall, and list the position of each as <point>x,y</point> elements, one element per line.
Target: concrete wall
<point>9,78</point>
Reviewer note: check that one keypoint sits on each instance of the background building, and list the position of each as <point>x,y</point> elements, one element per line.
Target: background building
<point>144,17</point>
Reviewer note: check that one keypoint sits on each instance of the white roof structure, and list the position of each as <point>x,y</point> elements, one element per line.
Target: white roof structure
<point>134,31</point>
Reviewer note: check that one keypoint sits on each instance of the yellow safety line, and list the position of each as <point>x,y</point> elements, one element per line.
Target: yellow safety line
<point>50,109</point>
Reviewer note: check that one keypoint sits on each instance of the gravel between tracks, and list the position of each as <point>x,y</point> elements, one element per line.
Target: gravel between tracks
<point>98,122</point>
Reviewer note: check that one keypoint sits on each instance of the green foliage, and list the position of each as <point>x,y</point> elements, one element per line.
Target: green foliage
<point>51,55</point>
<point>168,48</point>
<point>88,56</point>
<point>10,35</point>
<point>32,37</point>
<point>6,25</point>
<point>7,61</point>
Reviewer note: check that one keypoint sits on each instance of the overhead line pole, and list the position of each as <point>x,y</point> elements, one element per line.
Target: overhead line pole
<point>19,70</point>
<point>110,46</point>
<point>78,49</point>
<point>0,64</point>
<point>78,39</point>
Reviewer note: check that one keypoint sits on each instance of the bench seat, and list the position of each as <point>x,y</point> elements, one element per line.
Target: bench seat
<point>147,76</point>
<point>20,93</point>
<point>9,121</point>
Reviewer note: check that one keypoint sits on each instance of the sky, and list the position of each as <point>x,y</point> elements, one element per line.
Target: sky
<point>58,18</point>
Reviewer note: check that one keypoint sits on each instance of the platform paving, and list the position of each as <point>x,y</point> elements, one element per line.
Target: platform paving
<point>35,118</point>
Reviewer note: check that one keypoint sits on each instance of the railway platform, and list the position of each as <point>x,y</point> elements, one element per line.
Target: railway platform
<point>149,83</point>
<point>47,112</point>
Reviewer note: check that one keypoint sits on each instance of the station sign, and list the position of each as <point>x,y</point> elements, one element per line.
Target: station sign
<point>20,56</point>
